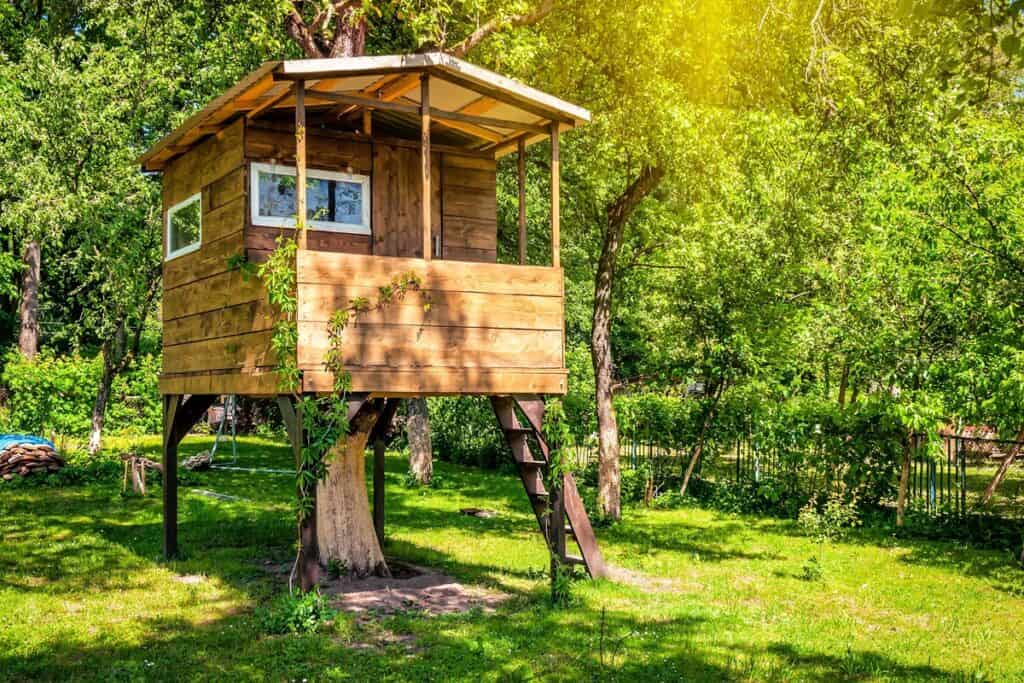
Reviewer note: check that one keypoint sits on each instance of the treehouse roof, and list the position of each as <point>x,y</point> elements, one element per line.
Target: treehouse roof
<point>470,106</point>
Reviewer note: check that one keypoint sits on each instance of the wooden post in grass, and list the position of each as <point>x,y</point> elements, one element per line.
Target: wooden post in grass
<point>309,554</point>
<point>179,417</point>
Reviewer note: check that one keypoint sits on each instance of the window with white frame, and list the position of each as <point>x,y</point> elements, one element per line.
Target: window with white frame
<point>185,226</point>
<point>339,202</point>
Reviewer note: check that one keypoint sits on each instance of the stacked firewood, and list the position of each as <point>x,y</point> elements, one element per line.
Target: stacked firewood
<point>25,459</point>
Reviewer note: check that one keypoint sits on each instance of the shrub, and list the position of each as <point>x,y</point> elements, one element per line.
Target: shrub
<point>304,613</point>
<point>464,430</point>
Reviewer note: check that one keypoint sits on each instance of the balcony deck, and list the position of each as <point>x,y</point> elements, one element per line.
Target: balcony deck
<point>472,328</point>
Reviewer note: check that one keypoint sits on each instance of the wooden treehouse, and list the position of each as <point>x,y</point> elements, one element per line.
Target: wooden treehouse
<point>398,157</point>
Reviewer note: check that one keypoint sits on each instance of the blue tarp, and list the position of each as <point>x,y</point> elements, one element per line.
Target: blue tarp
<point>8,440</point>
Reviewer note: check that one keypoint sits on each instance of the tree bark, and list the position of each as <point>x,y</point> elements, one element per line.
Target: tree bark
<point>619,212</point>
<point>344,525</point>
<point>348,39</point>
<point>901,496</point>
<point>1004,467</point>
<point>28,309</point>
<point>417,427</point>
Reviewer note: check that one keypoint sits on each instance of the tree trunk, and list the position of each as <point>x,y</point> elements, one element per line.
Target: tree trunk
<point>28,310</point>
<point>608,475</point>
<point>99,407</point>
<point>344,525</point>
<point>901,496</point>
<point>1004,467</point>
<point>844,383</point>
<point>619,212</point>
<point>421,460</point>
<point>701,438</point>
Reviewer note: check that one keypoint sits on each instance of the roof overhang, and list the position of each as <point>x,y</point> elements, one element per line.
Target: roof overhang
<point>491,111</point>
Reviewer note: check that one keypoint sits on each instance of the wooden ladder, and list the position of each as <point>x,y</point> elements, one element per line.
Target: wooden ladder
<point>560,513</point>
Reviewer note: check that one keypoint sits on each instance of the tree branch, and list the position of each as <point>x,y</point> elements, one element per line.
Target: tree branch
<point>500,23</point>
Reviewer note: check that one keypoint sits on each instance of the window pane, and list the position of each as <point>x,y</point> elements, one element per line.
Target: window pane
<point>185,226</point>
<point>318,199</point>
<point>327,201</point>
<point>348,202</point>
<point>277,195</point>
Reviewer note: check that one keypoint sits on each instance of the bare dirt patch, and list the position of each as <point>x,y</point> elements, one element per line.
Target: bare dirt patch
<point>410,589</point>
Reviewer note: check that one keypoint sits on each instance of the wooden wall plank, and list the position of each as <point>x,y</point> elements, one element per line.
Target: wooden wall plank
<point>437,308</point>
<point>470,233</point>
<point>250,316</point>
<point>211,259</point>
<point>219,291</point>
<point>257,382</point>
<point>445,382</point>
<point>260,238</point>
<point>223,221</point>
<point>327,153</point>
<point>408,346</point>
<point>227,353</point>
<point>342,269</point>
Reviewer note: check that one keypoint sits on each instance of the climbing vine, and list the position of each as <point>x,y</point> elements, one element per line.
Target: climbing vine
<point>324,419</point>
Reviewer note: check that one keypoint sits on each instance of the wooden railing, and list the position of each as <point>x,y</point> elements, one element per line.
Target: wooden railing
<point>473,328</point>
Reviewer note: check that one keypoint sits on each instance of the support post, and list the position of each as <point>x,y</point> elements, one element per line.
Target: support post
<point>170,464</point>
<point>378,489</point>
<point>556,207</point>
<point>425,191</point>
<point>179,417</point>
<point>521,165</point>
<point>367,122</point>
<point>300,162</point>
<point>309,555</point>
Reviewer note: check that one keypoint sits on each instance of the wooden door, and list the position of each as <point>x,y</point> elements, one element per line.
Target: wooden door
<point>396,202</point>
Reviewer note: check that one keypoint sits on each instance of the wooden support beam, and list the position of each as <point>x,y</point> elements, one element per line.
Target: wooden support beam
<point>440,114</point>
<point>309,554</point>
<point>179,417</point>
<point>556,208</point>
<point>368,122</point>
<point>170,463</point>
<point>269,104</point>
<point>378,489</point>
<point>425,191</point>
<point>300,162</point>
<point>521,173</point>
<point>379,438</point>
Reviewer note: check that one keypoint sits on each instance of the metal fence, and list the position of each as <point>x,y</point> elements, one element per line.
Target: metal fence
<point>944,479</point>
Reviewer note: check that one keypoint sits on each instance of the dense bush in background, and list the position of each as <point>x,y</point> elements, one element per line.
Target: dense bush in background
<point>464,430</point>
<point>55,394</point>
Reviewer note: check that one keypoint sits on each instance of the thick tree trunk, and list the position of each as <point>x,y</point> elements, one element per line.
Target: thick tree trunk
<point>344,525</point>
<point>608,475</point>
<point>901,496</point>
<point>1004,467</point>
<point>417,427</point>
<point>28,310</point>
<point>619,212</point>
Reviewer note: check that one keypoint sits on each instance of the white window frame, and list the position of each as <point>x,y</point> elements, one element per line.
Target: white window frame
<point>188,249</point>
<point>282,222</point>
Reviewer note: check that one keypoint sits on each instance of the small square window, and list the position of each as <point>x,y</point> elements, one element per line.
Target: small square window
<point>184,226</point>
<point>338,202</point>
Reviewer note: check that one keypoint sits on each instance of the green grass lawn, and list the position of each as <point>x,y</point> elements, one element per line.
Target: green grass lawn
<point>84,593</point>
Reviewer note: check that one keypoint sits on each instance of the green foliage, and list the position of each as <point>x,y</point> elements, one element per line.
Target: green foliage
<point>464,430</point>
<point>295,614</point>
<point>830,521</point>
<point>54,394</point>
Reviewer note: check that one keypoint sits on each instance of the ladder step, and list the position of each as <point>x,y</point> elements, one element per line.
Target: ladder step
<point>531,463</point>
<point>516,431</point>
<point>574,559</point>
